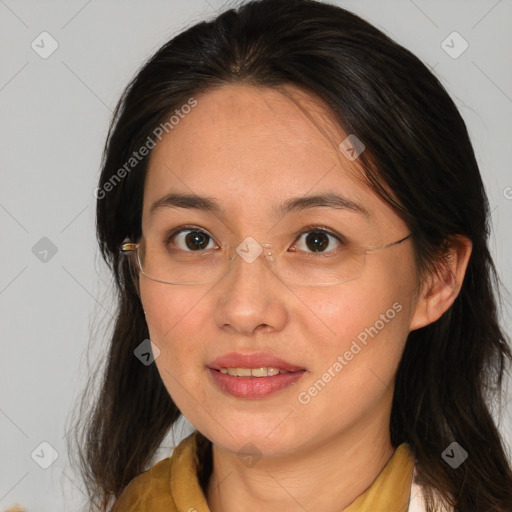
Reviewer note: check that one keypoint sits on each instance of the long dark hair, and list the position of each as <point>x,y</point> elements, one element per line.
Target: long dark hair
<point>419,159</point>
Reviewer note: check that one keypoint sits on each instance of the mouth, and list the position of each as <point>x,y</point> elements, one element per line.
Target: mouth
<point>253,375</point>
<point>252,365</point>
<point>268,371</point>
<point>253,387</point>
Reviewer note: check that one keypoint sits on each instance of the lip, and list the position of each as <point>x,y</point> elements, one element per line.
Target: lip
<point>253,387</point>
<point>259,360</point>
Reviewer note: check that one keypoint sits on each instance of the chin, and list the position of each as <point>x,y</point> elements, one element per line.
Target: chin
<point>261,439</point>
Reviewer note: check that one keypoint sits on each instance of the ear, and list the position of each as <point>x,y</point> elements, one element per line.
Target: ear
<point>441,287</point>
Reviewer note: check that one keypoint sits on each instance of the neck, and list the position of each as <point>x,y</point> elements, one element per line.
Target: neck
<point>328,476</point>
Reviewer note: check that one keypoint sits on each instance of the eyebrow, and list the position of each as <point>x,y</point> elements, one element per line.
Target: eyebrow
<point>209,204</point>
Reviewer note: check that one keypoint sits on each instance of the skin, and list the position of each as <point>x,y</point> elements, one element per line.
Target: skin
<point>252,148</point>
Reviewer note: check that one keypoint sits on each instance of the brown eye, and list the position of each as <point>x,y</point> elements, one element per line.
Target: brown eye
<point>192,240</point>
<point>317,241</point>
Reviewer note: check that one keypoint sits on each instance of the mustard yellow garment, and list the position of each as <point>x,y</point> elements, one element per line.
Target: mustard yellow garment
<point>172,485</point>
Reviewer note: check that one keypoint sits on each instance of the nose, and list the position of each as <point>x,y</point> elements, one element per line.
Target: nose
<point>250,298</point>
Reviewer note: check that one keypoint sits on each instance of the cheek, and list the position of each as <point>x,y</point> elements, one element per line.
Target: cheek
<point>382,310</point>
<point>357,347</point>
<point>175,319</point>
<point>338,316</point>
<point>177,323</point>
<point>166,306</point>
<point>359,333</point>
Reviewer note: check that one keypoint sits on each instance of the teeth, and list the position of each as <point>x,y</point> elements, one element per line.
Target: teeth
<point>252,372</point>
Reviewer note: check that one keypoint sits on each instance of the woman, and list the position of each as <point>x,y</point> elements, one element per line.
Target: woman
<point>293,214</point>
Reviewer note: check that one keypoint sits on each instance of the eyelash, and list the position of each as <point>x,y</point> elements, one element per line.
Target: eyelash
<point>306,229</point>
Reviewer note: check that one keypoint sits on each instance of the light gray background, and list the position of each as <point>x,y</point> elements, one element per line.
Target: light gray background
<point>54,117</point>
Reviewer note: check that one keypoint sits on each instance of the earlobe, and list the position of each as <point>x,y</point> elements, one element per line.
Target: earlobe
<point>443,285</point>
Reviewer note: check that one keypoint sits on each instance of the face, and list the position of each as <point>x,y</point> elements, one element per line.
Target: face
<point>251,150</point>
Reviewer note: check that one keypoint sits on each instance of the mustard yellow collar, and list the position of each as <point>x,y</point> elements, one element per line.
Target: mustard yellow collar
<point>388,493</point>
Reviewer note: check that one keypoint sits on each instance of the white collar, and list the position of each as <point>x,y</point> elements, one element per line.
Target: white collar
<point>417,499</point>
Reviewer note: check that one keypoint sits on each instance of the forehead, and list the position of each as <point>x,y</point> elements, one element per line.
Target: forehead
<point>252,148</point>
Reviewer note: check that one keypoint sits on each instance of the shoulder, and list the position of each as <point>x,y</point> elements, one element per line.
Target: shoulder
<point>167,485</point>
<point>148,491</point>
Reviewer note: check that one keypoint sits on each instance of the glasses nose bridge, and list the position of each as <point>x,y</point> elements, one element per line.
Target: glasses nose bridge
<point>250,251</point>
